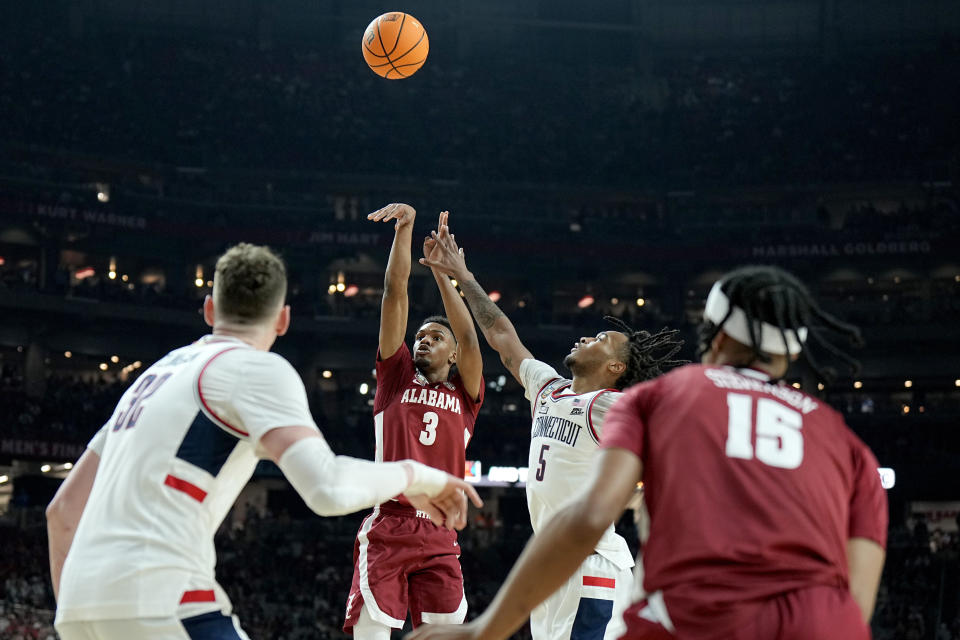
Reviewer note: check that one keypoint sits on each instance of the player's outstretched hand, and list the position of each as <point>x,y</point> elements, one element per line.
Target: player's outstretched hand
<point>404,214</point>
<point>440,251</point>
<point>449,507</point>
<point>444,632</point>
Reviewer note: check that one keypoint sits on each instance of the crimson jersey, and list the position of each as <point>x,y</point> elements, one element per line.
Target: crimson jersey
<point>753,490</point>
<point>430,423</point>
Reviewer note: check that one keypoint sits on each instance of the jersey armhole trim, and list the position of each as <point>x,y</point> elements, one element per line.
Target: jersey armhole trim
<point>206,408</point>
<point>593,432</point>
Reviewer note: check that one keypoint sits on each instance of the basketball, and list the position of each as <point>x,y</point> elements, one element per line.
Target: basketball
<point>395,45</point>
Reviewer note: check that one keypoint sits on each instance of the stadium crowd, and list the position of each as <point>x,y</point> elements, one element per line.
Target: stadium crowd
<point>287,575</point>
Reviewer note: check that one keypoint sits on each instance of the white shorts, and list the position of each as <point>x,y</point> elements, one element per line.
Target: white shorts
<point>584,606</point>
<point>208,626</point>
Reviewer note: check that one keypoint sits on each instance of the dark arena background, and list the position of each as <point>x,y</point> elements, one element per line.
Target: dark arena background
<point>610,157</point>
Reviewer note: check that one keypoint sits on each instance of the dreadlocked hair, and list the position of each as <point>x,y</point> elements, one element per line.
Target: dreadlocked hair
<point>770,294</point>
<point>648,354</point>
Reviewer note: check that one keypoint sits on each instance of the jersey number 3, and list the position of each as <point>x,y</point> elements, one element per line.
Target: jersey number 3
<point>429,434</point>
<point>779,439</point>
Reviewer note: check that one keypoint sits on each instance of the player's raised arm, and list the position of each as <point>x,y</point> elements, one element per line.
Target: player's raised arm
<point>469,359</point>
<point>395,306</point>
<point>448,258</point>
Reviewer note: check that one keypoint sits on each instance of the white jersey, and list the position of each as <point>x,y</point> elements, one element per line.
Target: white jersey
<point>564,441</point>
<point>179,447</point>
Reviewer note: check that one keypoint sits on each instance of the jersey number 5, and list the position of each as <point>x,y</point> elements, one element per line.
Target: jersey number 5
<point>429,434</point>
<point>779,439</point>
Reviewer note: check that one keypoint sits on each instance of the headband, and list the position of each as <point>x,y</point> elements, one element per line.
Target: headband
<point>736,326</point>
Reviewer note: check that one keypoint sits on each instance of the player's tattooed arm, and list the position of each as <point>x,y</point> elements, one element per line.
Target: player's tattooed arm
<point>446,257</point>
<point>469,357</point>
<point>395,306</point>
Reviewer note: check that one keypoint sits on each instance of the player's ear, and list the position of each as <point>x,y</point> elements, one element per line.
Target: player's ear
<point>283,320</point>
<point>617,367</point>
<point>716,345</point>
<point>208,310</point>
<point>452,360</point>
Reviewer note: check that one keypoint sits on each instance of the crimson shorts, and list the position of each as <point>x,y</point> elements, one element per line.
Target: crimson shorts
<point>824,613</point>
<point>403,562</point>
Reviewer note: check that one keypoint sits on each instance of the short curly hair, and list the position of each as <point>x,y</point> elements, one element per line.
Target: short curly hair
<point>249,284</point>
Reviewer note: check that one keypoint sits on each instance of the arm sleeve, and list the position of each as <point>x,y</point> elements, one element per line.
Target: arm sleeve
<point>868,502</point>
<point>534,375</point>
<point>393,374</point>
<point>333,485</point>
<point>99,440</point>
<point>250,392</point>
<point>624,426</point>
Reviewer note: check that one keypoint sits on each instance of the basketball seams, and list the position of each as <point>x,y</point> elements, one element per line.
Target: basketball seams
<point>380,36</point>
<point>403,21</point>
<point>423,34</point>
<point>372,52</point>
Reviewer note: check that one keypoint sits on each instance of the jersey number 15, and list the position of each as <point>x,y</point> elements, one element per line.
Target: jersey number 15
<point>779,439</point>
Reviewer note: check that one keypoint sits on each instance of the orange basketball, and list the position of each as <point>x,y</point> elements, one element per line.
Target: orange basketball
<point>395,45</point>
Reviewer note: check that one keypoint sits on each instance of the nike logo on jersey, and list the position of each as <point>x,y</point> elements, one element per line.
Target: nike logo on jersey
<point>433,398</point>
<point>557,429</point>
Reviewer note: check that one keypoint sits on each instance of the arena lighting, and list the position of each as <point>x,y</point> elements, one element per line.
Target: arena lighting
<point>332,289</point>
<point>124,277</point>
<point>908,383</point>
<point>112,275</point>
<point>523,303</point>
<point>351,291</point>
<point>341,287</point>
<point>209,283</point>
<point>114,359</point>
<point>2,262</point>
<point>641,302</point>
<point>364,388</point>
<point>4,479</point>
<point>614,300</point>
<point>327,374</point>
<point>199,276</point>
<point>585,301</point>
<point>454,282</point>
<point>857,385</point>
<point>68,466</point>
<point>67,354</point>
<point>796,385</point>
<point>45,468</point>
<point>906,409</point>
<point>137,364</point>
<point>820,386</point>
<point>888,477</point>
<point>103,366</point>
<point>198,282</point>
<point>494,296</point>
<point>86,272</point>
<point>956,383</point>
